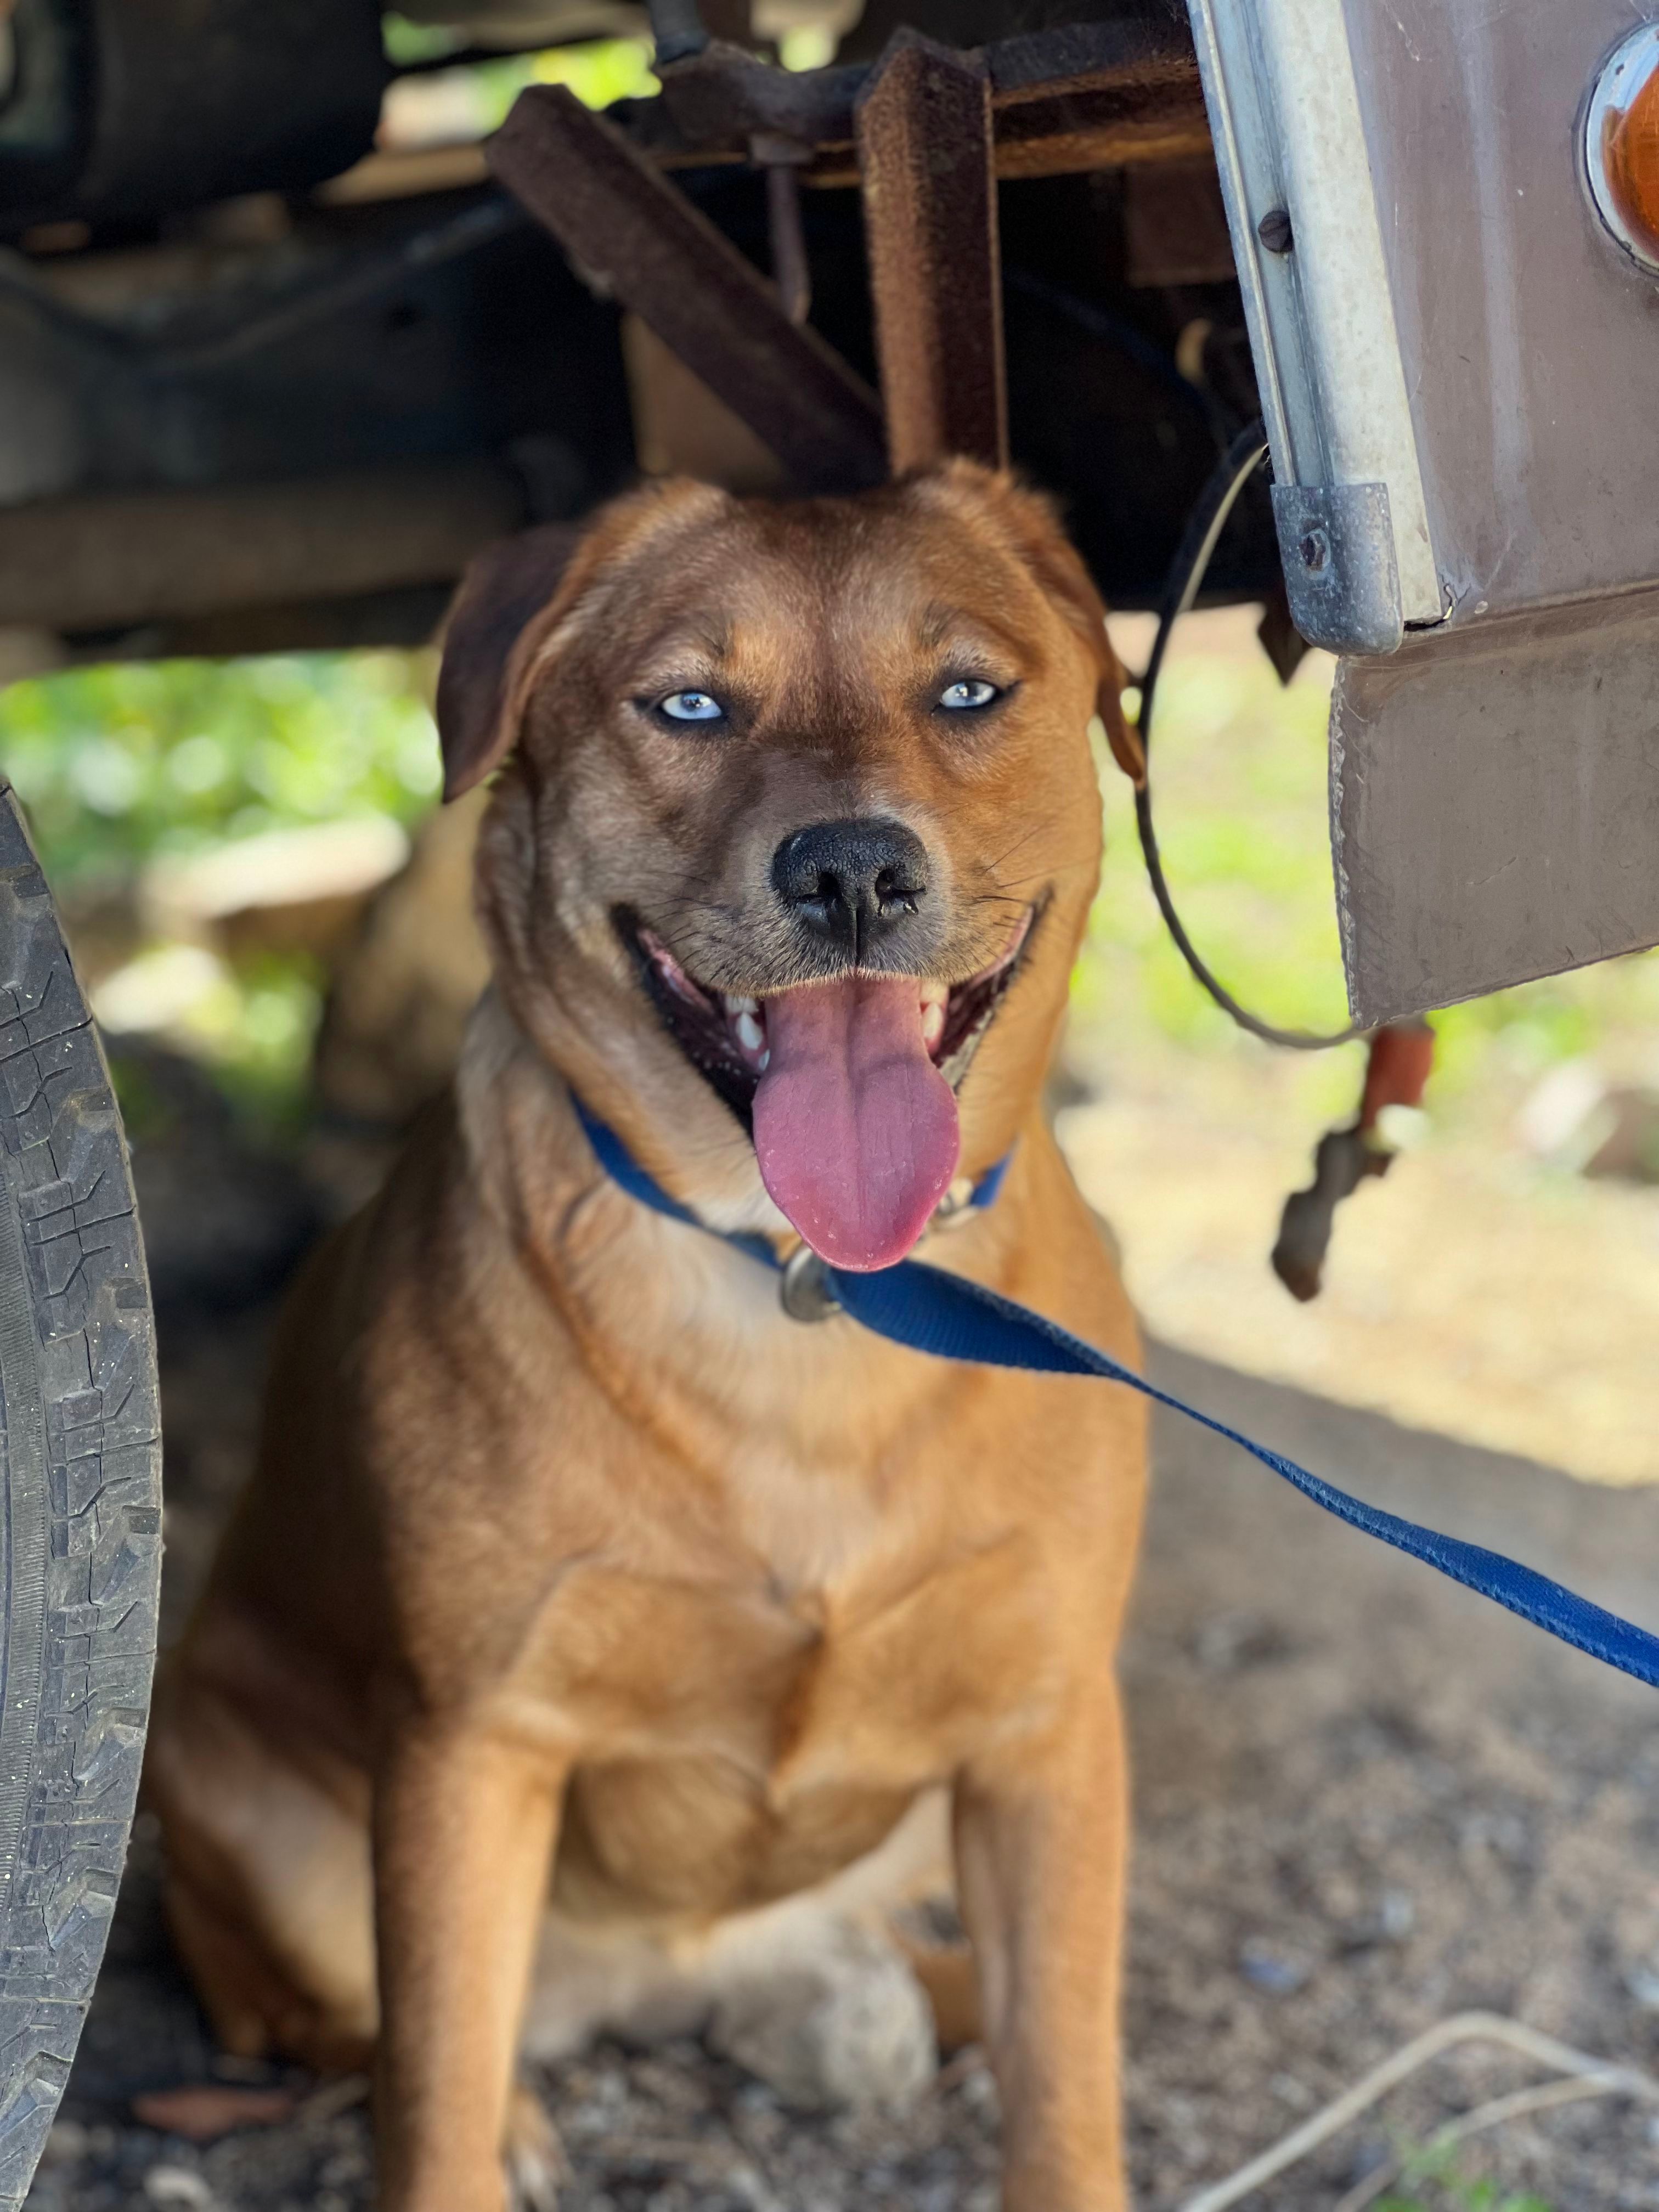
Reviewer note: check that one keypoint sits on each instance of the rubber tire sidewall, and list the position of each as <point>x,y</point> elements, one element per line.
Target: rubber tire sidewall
<point>80,1512</point>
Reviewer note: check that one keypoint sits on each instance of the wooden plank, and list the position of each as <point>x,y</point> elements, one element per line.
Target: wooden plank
<point>628,226</point>
<point>930,210</point>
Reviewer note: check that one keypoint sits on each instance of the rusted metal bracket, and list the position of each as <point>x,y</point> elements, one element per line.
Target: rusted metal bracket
<point>1397,1068</point>
<point>1087,96</point>
<point>636,235</point>
<point>928,163</point>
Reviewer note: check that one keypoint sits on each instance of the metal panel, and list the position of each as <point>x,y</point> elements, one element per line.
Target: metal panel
<point>1495,804</point>
<point>1496,782</point>
<point>1529,340</point>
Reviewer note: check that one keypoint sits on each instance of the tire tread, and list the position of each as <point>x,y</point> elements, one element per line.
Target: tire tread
<point>80,1512</point>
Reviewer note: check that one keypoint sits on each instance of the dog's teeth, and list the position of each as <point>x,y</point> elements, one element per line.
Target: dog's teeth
<point>763,1062</point>
<point>933,1024</point>
<point>740,1005</point>
<point>934,994</point>
<point>751,1036</point>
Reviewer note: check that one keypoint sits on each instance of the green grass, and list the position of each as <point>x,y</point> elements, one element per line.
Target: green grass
<point>1434,2181</point>
<point>1472,2196</point>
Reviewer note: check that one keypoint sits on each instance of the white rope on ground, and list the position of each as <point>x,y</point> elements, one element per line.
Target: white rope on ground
<point>1461,2028</point>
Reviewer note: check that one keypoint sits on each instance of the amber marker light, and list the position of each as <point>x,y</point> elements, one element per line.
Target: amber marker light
<point>1621,145</point>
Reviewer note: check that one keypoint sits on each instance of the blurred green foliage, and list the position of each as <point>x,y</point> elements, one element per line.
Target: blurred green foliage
<point>117,764</point>
<point>597,70</point>
<point>408,43</point>
<point>1468,2197</point>
<point>1239,772</point>
<point>598,73</point>
<point>1435,2181</point>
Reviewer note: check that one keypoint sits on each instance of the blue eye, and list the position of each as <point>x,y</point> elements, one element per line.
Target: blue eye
<point>969,692</point>
<point>691,707</point>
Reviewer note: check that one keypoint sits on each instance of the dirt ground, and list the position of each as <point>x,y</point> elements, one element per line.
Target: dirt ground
<point>1364,1800</point>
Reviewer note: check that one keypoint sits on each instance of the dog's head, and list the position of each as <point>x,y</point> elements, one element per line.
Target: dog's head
<point>799,825</point>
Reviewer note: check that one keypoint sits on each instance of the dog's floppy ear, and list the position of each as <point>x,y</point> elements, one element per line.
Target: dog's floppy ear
<point>1060,571</point>
<point>505,589</point>
<point>514,598</point>
<point>1030,520</point>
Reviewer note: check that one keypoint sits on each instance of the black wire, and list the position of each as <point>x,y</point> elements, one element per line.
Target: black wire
<point>1134,344</point>
<point>1186,572</point>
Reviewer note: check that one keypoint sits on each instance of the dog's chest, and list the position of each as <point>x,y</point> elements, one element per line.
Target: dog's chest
<point>736,1745</point>
<point>795,1692</point>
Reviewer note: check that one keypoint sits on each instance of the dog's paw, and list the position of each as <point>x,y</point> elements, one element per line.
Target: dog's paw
<point>533,2154</point>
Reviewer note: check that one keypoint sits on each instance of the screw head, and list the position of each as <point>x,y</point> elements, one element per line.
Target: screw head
<point>1315,550</point>
<point>1274,230</point>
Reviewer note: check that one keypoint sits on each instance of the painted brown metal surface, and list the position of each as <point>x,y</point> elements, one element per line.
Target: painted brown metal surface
<point>631,229</point>
<point>1528,336</point>
<point>1496,793</point>
<point>930,213</point>
<point>1495,802</point>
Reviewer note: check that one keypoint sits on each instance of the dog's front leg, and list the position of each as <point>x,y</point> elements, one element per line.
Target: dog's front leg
<point>464,1825</point>
<point>1041,1833</point>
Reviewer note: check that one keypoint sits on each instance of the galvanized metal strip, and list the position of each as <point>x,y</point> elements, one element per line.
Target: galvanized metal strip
<point>1343,278</point>
<point>1278,80</point>
<point>1249,188</point>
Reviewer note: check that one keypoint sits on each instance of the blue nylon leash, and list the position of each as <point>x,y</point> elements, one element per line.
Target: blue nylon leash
<point>949,1317</point>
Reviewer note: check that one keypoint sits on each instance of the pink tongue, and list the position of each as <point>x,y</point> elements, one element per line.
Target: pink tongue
<point>855,1129</point>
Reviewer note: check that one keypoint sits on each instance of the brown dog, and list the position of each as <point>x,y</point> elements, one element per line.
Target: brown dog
<point>567,1548</point>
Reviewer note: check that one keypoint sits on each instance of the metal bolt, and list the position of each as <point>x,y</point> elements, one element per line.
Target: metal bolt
<point>1315,550</point>
<point>1274,230</point>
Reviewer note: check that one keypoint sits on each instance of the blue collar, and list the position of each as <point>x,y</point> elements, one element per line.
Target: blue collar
<point>949,1317</point>
<point>806,1291</point>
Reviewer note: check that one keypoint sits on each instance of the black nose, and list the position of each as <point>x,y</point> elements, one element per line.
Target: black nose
<point>851,881</point>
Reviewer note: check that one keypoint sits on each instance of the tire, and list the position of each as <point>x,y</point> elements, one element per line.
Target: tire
<point>80,1509</point>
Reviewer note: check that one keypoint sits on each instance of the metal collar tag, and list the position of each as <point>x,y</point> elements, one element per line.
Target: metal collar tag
<point>803,1289</point>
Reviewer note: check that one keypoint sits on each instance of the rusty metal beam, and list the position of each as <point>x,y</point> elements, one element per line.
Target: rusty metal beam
<point>1174,225</point>
<point>1073,130</point>
<point>714,101</point>
<point>109,560</point>
<point>1087,96</point>
<point>637,234</point>
<point>930,216</point>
